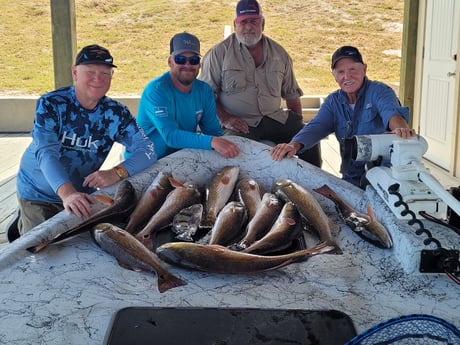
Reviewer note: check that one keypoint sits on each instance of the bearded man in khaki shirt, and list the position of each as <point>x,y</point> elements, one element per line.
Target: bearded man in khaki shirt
<point>250,75</point>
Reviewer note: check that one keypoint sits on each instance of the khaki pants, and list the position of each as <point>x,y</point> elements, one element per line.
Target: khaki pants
<point>33,213</point>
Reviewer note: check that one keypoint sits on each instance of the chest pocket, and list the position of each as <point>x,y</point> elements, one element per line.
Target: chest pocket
<point>233,79</point>
<point>275,76</point>
<point>370,121</point>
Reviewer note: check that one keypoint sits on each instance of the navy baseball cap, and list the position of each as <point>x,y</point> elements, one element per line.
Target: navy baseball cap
<point>346,52</point>
<point>248,9</point>
<point>94,54</point>
<point>184,42</point>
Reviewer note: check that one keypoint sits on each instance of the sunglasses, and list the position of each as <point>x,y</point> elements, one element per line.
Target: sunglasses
<point>182,60</point>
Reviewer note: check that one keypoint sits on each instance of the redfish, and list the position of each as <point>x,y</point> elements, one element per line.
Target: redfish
<point>119,208</point>
<point>219,259</point>
<point>183,195</point>
<point>218,192</point>
<point>133,255</point>
<point>150,202</point>
<point>249,194</point>
<point>266,214</point>
<point>308,207</point>
<point>229,223</point>
<point>286,228</point>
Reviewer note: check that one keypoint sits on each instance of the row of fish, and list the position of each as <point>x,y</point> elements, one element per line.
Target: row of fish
<point>240,232</point>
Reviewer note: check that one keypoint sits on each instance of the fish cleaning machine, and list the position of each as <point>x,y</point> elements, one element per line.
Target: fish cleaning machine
<point>410,191</point>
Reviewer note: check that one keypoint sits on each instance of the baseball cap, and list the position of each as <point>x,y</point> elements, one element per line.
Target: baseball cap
<point>184,42</point>
<point>94,54</point>
<point>248,9</point>
<point>346,52</point>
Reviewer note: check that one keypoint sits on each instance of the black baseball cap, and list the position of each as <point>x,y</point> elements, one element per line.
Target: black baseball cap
<point>94,54</point>
<point>184,42</point>
<point>346,52</point>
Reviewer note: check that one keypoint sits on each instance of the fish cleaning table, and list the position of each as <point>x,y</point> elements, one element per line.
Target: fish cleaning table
<point>70,291</point>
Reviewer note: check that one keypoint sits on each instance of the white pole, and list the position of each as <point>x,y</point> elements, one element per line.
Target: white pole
<point>436,187</point>
<point>227,31</point>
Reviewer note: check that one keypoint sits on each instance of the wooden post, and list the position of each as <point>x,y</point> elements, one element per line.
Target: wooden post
<point>63,30</point>
<point>409,54</point>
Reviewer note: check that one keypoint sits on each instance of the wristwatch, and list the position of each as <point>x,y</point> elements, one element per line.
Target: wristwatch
<point>121,172</point>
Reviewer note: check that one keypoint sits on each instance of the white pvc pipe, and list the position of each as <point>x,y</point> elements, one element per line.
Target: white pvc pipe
<point>436,187</point>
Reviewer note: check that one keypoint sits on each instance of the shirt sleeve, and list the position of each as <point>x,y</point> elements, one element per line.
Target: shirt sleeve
<point>140,147</point>
<point>209,123</point>
<point>388,104</point>
<point>46,137</point>
<point>318,128</point>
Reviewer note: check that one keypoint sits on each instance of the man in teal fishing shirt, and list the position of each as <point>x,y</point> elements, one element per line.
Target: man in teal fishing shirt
<point>174,105</point>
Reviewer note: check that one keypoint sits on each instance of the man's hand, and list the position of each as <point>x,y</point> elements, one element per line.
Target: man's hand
<point>101,179</point>
<point>280,151</point>
<point>404,132</point>
<point>78,204</point>
<point>225,147</point>
<point>234,123</point>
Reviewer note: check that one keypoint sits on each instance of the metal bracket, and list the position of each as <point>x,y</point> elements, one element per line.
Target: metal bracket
<point>438,261</point>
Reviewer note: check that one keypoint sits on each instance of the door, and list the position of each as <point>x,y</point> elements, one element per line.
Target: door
<point>438,81</point>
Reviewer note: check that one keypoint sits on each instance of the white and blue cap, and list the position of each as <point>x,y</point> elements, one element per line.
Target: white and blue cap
<point>183,43</point>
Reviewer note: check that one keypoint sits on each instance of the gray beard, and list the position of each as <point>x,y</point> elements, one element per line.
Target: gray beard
<point>249,43</point>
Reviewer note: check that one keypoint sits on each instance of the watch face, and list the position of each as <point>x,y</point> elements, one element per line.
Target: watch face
<point>119,171</point>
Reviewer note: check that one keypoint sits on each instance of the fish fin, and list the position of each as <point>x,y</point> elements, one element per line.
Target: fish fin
<point>284,263</point>
<point>126,266</point>
<point>326,191</point>
<point>290,221</point>
<point>370,212</point>
<point>175,183</point>
<point>38,247</point>
<point>105,199</point>
<point>217,247</point>
<point>169,281</point>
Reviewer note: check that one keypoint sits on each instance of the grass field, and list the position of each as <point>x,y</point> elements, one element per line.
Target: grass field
<point>138,33</point>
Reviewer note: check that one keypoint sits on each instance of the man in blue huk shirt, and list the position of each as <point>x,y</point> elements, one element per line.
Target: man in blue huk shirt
<point>176,104</point>
<point>74,130</point>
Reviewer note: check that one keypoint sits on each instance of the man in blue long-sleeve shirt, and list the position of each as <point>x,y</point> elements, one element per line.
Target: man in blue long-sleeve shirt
<point>359,107</point>
<point>74,130</point>
<point>174,105</point>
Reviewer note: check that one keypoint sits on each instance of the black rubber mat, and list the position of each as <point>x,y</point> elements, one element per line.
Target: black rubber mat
<point>228,326</point>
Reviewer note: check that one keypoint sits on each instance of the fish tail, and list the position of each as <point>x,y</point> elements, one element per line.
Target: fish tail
<point>336,248</point>
<point>325,247</point>
<point>168,281</point>
<point>208,221</point>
